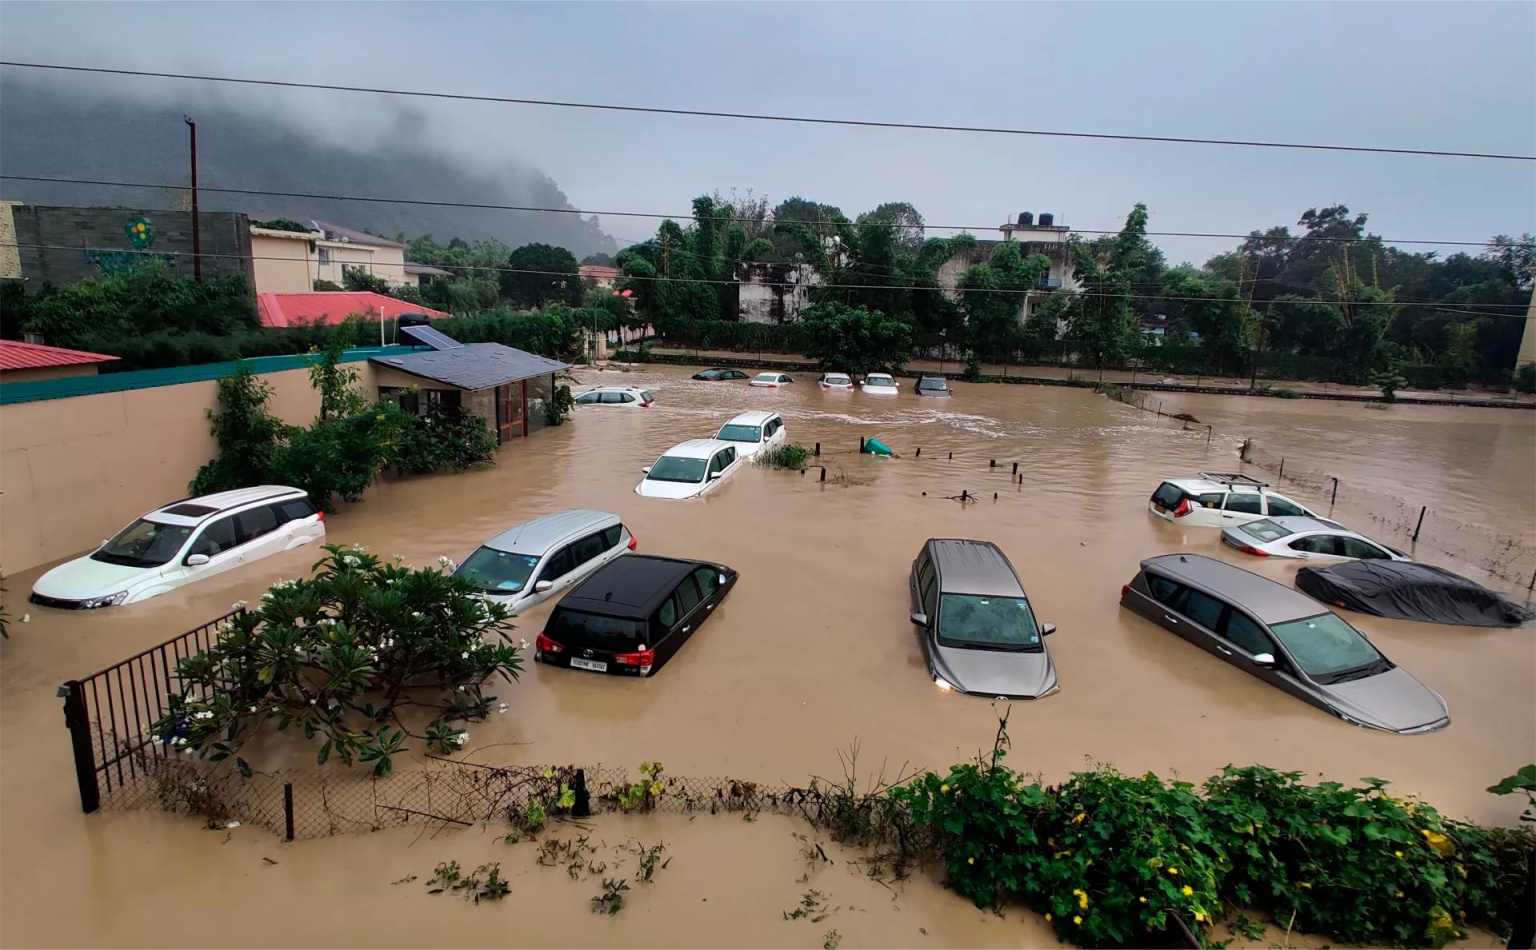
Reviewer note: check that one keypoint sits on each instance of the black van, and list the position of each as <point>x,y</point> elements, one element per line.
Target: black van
<point>633,614</point>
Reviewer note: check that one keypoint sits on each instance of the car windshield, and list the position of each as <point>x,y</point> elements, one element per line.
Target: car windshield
<point>1265,530</point>
<point>878,380</point>
<point>576,629</point>
<point>670,468</point>
<point>767,377</point>
<point>987,623</point>
<point>1325,645</point>
<point>144,544</point>
<point>932,385</point>
<point>711,373</point>
<point>499,572</point>
<point>736,432</point>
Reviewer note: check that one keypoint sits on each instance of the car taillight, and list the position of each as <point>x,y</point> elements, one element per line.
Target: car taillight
<point>1125,589</point>
<point>634,542</point>
<point>322,516</point>
<point>643,658</point>
<point>546,645</point>
<point>1249,549</point>
<point>1184,508</point>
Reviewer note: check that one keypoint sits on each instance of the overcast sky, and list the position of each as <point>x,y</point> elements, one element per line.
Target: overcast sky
<point>1455,76</point>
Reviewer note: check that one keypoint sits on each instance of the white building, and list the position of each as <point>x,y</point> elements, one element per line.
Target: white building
<point>1044,236</point>
<point>774,293</point>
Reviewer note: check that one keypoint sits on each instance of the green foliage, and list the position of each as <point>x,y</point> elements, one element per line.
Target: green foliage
<point>551,333</point>
<point>611,900</point>
<point>559,407</point>
<point>438,439</point>
<point>1522,782</point>
<point>790,455</point>
<point>337,655</point>
<point>855,340</point>
<point>282,224</point>
<point>1525,378</point>
<point>473,887</point>
<point>246,433</point>
<point>322,285</point>
<point>1389,381</point>
<point>548,275</point>
<point>1101,323</point>
<point>642,795</point>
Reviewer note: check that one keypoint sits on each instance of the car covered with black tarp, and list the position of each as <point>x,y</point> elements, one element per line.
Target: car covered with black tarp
<point>1410,591</point>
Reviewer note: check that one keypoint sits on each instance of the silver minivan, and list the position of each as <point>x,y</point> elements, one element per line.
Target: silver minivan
<point>529,563</point>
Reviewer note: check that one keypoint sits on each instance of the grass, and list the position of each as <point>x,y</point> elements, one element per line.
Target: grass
<point>791,455</point>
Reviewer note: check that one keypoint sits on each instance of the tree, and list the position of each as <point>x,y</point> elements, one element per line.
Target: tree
<point>539,274</point>
<point>1101,322</point>
<point>992,295</point>
<point>855,340</point>
<point>903,220</point>
<point>1517,257</point>
<point>600,259</point>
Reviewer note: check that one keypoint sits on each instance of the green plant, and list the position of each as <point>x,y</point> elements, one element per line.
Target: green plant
<point>642,795</point>
<point>611,900</point>
<point>972,367</point>
<point>338,656</point>
<point>1283,393</point>
<point>650,861</point>
<point>1389,381</point>
<point>1522,782</point>
<point>1246,927</point>
<point>281,224</point>
<point>326,286</point>
<point>472,887</point>
<point>558,408</point>
<point>813,904</point>
<point>1524,378</point>
<point>830,940</point>
<point>790,455</point>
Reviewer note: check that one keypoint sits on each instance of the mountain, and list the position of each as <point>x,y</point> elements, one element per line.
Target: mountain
<point>49,131</point>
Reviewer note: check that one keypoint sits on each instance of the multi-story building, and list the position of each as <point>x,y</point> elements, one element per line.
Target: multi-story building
<point>289,262</point>
<point>1042,236</point>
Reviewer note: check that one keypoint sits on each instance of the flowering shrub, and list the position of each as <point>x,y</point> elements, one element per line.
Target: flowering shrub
<point>341,656</point>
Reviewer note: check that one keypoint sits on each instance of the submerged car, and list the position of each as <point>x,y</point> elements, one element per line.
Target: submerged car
<point>719,375</point>
<point>1219,499</point>
<point>689,469</point>
<point>978,629</point>
<point>628,396</point>
<point>838,381</point>
<point>752,432</point>
<point>532,562</point>
<point>1305,538</point>
<point>1283,637</point>
<point>183,542</point>
<point>771,380</point>
<point>934,386</point>
<point>879,384</point>
<point>633,616</point>
<point>1409,591</point>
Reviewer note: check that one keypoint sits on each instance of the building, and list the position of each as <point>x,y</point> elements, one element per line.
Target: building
<point>599,275</point>
<point>332,307</point>
<point>1044,236</point>
<point>425,273</point>
<point>29,362</point>
<point>1527,352</point>
<point>57,246</point>
<point>774,293</point>
<point>291,261</point>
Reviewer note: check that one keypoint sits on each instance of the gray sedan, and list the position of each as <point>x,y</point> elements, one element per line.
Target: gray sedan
<point>977,627</point>
<point>1285,638</point>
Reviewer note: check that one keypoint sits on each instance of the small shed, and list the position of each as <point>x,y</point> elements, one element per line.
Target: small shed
<point>29,362</point>
<point>503,385</point>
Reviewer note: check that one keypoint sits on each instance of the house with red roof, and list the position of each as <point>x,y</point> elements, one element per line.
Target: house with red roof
<point>28,362</point>
<point>599,275</point>
<point>333,307</point>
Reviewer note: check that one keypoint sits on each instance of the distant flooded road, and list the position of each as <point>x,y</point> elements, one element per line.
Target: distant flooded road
<point>811,651</point>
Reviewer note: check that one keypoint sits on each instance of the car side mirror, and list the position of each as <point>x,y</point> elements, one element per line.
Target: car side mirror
<point>1046,629</point>
<point>1264,659</point>
<point>920,618</point>
<point>716,474</point>
<point>542,586</point>
<point>646,470</point>
<point>196,560</point>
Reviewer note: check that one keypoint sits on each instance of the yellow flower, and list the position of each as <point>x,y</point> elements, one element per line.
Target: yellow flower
<point>1076,919</point>
<point>1200,917</point>
<point>1188,890</point>
<point>1142,899</point>
<point>943,788</point>
<point>1082,900</point>
<point>970,860</point>
<point>1051,842</point>
<point>1399,894</point>
<point>1437,841</point>
<point>1047,918</point>
<point>1304,885</point>
<point>1173,870</point>
<point>1398,853</point>
<point>1078,818</point>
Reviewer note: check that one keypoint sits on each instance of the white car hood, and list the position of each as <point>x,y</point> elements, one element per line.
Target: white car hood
<point>83,578</point>
<point>652,488</point>
<point>746,450</point>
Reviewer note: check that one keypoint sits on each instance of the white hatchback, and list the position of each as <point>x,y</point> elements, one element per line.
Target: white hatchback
<point>838,381</point>
<point>690,469</point>
<point>771,380</point>
<point>1308,539</point>
<point>1219,499</point>
<point>879,384</point>
<point>629,396</point>
<point>183,542</point>
<point>531,562</point>
<point>752,432</point>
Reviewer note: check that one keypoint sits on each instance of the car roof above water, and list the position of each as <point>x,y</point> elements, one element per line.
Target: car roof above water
<point>756,417</point>
<point>1268,600</point>
<point>697,448</point>
<point>1298,523</point>
<point>973,567</point>
<point>192,511</point>
<point>632,586</point>
<point>541,534</point>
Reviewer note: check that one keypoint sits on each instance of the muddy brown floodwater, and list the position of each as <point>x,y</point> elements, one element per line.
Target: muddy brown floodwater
<point>811,651</point>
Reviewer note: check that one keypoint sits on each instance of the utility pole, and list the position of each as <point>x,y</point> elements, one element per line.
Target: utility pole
<point>197,231</point>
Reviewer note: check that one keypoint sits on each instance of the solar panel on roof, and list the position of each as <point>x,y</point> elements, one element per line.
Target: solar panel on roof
<point>190,510</point>
<point>430,337</point>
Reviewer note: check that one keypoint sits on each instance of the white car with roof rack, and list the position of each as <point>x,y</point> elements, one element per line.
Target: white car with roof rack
<point>185,541</point>
<point>1312,539</point>
<point>1219,500</point>
<point>632,397</point>
<point>532,562</point>
<point>690,469</point>
<point>752,432</point>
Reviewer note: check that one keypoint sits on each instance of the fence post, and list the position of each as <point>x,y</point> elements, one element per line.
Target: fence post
<point>818,450</point>
<point>287,811</point>
<point>861,445</point>
<point>1015,468</point>
<point>79,723</point>
<point>992,463</point>
<point>1281,476</point>
<point>583,806</point>
<point>1207,435</point>
<point>1335,496</point>
<point>919,452</point>
<point>1417,527</point>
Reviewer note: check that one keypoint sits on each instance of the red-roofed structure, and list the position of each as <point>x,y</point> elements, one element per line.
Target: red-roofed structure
<point>332,307</point>
<point>25,362</point>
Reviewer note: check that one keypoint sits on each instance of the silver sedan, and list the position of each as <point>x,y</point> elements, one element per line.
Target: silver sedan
<point>1311,539</point>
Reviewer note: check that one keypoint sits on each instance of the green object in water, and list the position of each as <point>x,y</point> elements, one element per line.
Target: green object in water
<point>876,447</point>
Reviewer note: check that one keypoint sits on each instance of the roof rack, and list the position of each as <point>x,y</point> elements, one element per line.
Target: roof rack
<point>1232,478</point>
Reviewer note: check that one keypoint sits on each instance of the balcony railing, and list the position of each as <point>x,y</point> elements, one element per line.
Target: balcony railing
<point>1048,283</point>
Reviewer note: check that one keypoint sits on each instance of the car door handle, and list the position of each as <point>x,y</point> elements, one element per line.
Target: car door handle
<point>709,606</point>
<point>1223,651</point>
<point>687,628</point>
<point>1170,619</point>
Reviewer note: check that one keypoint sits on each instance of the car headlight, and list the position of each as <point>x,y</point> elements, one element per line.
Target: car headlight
<point>940,682</point>
<point>110,600</point>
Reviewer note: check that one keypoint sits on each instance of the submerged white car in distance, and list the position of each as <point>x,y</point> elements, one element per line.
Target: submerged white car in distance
<point>532,562</point>
<point>752,432</point>
<point>838,381</point>
<point>183,542</point>
<point>879,384</point>
<point>1308,539</point>
<point>690,469</point>
<point>771,380</point>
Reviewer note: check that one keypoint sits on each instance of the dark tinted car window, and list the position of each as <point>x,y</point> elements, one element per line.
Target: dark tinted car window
<point>611,536</point>
<point>687,595</point>
<point>1163,590</point>
<point>1316,544</point>
<point>611,398</point>
<point>295,508</point>
<point>1246,634</point>
<point>255,523</point>
<point>559,565</point>
<point>1168,495</point>
<point>667,615</point>
<point>1211,500</point>
<point>587,398</point>
<point>217,536</point>
<point>1201,608</point>
<point>577,628</point>
<point>1354,547</point>
<point>925,577</point>
<point>586,549</point>
<point>1248,503</point>
<point>707,579</point>
<point>1279,506</point>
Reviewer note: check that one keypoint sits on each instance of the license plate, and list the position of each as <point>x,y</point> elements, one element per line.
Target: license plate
<point>1160,509</point>
<point>595,666</point>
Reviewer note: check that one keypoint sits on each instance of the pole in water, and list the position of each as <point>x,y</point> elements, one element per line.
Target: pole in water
<point>994,496</point>
<point>1015,468</point>
<point>818,450</point>
<point>992,463</point>
<point>823,474</point>
<point>965,495</point>
<point>861,443</point>
<point>1335,496</point>
<point>919,452</point>
<point>1207,435</point>
<point>1417,527</point>
<point>951,457</point>
<point>1282,470</point>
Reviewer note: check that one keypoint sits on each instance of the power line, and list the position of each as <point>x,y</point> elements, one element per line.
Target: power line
<point>763,117</point>
<point>483,206</point>
<point>566,275</point>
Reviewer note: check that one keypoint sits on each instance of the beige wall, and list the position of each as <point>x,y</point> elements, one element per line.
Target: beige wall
<point>33,374</point>
<point>10,256</point>
<point>385,262</point>
<point>74,471</point>
<point>283,262</point>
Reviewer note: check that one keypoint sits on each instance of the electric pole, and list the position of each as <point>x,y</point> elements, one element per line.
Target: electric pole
<point>197,231</point>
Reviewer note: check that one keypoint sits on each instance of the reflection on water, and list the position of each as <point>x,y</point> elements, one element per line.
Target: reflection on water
<point>813,648</point>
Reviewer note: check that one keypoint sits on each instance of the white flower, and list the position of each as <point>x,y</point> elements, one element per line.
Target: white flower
<point>461,689</point>
<point>237,605</point>
<point>350,561</point>
<point>358,547</point>
<point>189,750</point>
<point>389,580</point>
<point>416,614</point>
<point>311,702</point>
<point>442,560</point>
<point>179,740</point>
<point>464,655</point>
<point>502,708</point>
<point>253,709</point>
<point>463,737</point>
<point>154,738</point>
<point>523,643</point>
<point>26,618</point>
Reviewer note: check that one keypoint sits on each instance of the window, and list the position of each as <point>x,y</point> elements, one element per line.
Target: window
<point>930,384</point>
<point>586,549</point>
<point>144,544</point>
<point>217,536</point>
<point>588,398</point>
<point>1211,500</point>
<point>255,523</point>
<point>499,572</point>
<point>1316,544</point>
<point>667,615</point>
<point>708,580</point>
<point>442,398</point>
<point>1280,506</point>
<point>1247,635</point>
<point>687,595</point>
<point>609,399</point>
<point>1201,608</point>
<point>730,455</point>
<point>1355,547</point>
<point>645,396</point>
<point>989,623</point>
<point>925,577</point>
<point>1265,530</point>
<point>325,256</point>
<point>670,468</point>
<point>295,509</point>
<point>611,536</point>
<point>558,565</point>
<point>735,432</point>
<point>1164,591</point>
<point>576,629</point>
<point>717,462</point>
<point>1168,495</point>
<point>1248,503</point>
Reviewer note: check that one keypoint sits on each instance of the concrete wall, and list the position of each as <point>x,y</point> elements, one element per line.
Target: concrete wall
<point>32,374</point>
<point>10,261</point>
<point>385,262</point>
<point>762,294</point>
<point>283,261</point>
<point>87,242</point>
<point>74,471</point>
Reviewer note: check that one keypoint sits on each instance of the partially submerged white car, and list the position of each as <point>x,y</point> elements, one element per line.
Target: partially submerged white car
<point>837,381</point>
<point>532,562</point>
<point>771,380</point>
<point>879,384</point>
<point>690,469</point>
<point>183,542</point>
<point>752,432</point>
<point>1220,500</point>
<point>1311,539</point>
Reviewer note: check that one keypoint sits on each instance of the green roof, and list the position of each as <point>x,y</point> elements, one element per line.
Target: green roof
<point>39,390</point>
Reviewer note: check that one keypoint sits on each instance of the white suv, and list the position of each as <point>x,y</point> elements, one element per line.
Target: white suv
<point>629,396</point>
<point>181,543</point>
<point>752,432</point>
<point>1220,499</point>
